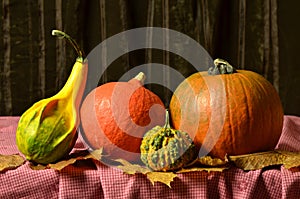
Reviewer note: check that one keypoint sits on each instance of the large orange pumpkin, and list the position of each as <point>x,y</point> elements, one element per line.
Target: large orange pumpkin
<point>236,113</point>
<point>116,115</point>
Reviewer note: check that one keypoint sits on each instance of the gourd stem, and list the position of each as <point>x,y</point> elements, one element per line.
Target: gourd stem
<point>221,67</point>
<point>167,121</point>
<point>61,35</point>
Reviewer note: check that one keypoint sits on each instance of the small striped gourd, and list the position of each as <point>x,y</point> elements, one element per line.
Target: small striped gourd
<point>164,148</point>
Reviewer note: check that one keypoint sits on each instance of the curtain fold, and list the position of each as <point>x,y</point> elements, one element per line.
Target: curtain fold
<point>6,94</point>
<point>275,44</point>
<point>246,33</point>
<point>241,33</point>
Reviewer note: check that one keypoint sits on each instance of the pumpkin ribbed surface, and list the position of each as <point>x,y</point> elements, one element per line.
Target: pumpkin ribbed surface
<point>241,111</point>
<point>165,149</point>
<point>116,116</point>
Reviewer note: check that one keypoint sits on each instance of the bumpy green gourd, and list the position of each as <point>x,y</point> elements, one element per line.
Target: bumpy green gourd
<point>164,148</point>
<point>47,131</point>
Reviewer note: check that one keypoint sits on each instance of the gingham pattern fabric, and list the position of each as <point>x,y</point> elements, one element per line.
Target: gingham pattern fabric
<point>91,179</point>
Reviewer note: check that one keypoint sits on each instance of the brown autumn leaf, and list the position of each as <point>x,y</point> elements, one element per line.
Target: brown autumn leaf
<point>153,176</point>
<point>292,159</point>
<point>205,163</point>
<point>74,157</point>
<point>37,166</point>
<point>10,161</point>
<point>257,161</point>
<point>163,177</point>
<point>209,161</point>
<point>207,169</point>
<point>168,177</point>
<point>129,168</point>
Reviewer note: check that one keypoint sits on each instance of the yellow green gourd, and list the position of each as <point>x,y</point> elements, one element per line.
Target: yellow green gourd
<point>164,148</point>
<point>47,131</point>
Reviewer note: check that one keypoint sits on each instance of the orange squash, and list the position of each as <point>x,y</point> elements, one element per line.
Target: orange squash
<point>228,111</point>
<point>116,115</point>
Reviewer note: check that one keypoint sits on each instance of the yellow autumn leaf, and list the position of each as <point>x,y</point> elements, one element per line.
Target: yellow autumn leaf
<point>129,168</point>
<point>163,177</point>
<point>257,161</point>
<point>74,157</point>
<point>207,169</point>
<point>209,161</point>
<point>37,166</point>
<point>292,159</point>
<point>10,161</point>
<point>153,176</point>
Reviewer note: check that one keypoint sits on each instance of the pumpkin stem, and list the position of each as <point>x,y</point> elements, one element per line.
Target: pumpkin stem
<point>140,77</point>
<point>61,35</point>
<point>221,67</point>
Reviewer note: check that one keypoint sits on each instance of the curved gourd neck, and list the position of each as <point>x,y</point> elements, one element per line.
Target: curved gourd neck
<point>79,70</point>
<point>75,79</point>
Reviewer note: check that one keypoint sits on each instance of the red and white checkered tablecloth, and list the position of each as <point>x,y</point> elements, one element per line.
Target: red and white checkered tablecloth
<point>99,181</point>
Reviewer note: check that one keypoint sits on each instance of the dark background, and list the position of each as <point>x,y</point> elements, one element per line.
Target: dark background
<point>257,35</point>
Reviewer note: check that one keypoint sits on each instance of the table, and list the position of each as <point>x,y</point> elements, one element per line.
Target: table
<point>96,180</point>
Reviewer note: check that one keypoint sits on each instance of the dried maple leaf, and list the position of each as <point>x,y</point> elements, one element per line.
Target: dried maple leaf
<point>62,164</point>
<point>292,159</point>
<point>208,169</point>
<point>163,177</point>
<point>257,160</point>
<point>205,163</point>
<point>129,168</point>
<point>74,157</point>
<point>153,176</point>
<point>37,166</point>
<point>96,154</point>
<point>209,161</point>
<point>10,161</point>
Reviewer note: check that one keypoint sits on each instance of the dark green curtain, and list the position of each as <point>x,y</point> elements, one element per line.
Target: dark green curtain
<point>257,35</point>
